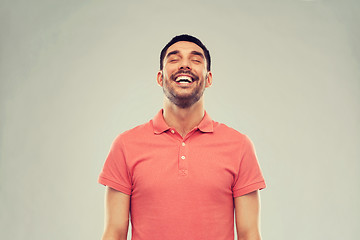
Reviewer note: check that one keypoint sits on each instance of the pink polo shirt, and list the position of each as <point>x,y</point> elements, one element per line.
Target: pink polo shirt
<point>182,188</point>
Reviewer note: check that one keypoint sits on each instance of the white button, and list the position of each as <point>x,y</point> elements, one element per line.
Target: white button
<point>182,157</point>
<point>183,144</point>
<point>172,131</point>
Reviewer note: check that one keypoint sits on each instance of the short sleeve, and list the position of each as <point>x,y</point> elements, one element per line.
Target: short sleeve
<point>249,177</point>
<point>115,173</point>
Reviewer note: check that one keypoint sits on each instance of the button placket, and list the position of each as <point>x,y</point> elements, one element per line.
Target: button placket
<point>183,164</point>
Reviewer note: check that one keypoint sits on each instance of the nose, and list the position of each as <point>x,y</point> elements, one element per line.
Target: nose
<point>185,65</point>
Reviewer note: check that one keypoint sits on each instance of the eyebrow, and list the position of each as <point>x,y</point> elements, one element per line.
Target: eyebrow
<point>177,52</point>
<point>172,53</point>
<point>198,54</point>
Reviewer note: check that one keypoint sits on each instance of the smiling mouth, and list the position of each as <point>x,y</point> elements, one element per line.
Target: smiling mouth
<point>184,79</point>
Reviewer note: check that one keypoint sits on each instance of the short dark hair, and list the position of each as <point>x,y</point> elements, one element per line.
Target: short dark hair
<point>186,38</point>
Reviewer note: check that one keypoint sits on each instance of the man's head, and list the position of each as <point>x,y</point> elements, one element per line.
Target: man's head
<point>186,38</point>
<point>185,71</point>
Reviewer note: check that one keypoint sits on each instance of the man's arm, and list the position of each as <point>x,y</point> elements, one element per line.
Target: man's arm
<point>117,206</point>
<point>247,211</point>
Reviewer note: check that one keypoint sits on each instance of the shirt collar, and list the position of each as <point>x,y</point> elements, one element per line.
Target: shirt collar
<point>160,126</point>
<point>206,124</point>
<point>159,123</point>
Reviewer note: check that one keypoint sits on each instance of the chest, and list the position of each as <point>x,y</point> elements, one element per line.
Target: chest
<point>179,168</point>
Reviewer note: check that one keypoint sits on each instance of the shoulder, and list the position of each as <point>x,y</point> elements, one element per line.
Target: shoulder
<point>136,133</point>
<point>222,130</point>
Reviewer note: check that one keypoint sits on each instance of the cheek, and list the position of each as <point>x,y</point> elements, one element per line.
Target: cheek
<point>204,74</point>
<point>201,71</point>
<point>169,68</point>
<point>166,74</point>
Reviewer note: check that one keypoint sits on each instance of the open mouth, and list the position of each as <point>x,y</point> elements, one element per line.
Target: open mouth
<point>184,79</point>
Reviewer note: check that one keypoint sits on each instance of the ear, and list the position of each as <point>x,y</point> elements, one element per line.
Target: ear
<point>159,78</point>
<point>208,80</point>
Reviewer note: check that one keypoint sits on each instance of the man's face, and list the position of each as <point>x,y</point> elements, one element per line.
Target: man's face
<point>184,76</point>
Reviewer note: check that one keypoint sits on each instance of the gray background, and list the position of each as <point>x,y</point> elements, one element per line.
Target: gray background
<point>74,74</point>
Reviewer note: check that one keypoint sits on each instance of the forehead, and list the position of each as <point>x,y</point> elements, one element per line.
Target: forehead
<point>184,47</point>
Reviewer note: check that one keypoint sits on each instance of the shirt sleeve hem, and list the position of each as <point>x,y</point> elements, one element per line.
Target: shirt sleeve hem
<point>248,189</point>
<point>107,182</point>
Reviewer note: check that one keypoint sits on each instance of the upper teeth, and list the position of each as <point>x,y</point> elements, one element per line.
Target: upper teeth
<point>184,78</point>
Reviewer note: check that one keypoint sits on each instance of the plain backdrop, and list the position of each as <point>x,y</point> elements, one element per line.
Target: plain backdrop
<point>75,74</point>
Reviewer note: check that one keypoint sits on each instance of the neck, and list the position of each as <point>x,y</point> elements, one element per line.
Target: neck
<point>183,119</point>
